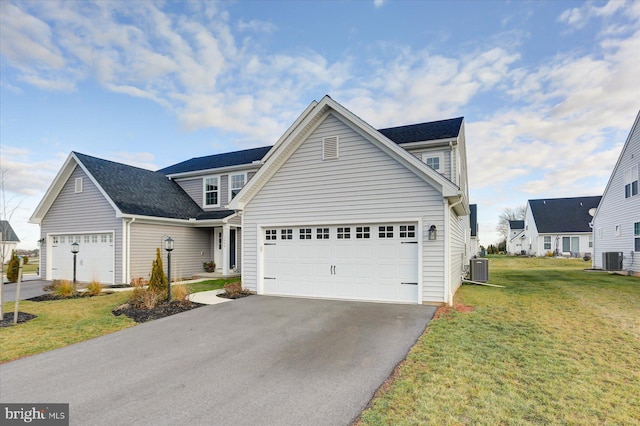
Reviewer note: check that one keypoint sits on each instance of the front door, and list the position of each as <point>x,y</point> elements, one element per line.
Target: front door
<point>217,248</point>
<point>232,249</point>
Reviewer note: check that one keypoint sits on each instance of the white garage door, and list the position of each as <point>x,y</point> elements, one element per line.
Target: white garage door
<point>377,262</point>
<point>94,260</point>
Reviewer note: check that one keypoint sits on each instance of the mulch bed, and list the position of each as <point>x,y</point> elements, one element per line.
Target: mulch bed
<point>160,311</point>
<point>236,295</point>
<point>7,318</point>
<point>444,310</point>
<point>49,296</point>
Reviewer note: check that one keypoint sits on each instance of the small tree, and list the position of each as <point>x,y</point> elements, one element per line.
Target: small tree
<point>158,280</point>
<point>12,267</point>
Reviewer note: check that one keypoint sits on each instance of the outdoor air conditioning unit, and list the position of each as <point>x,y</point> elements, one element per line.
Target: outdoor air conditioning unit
<point>479,269</point>
<point>612,261</point>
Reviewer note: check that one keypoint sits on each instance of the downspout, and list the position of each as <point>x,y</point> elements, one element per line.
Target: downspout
<point>127,277</point>
<point>593,248</point>
<point>448,248</point>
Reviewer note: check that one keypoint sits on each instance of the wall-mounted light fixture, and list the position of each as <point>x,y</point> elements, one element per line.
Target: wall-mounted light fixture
<point>433,233</point>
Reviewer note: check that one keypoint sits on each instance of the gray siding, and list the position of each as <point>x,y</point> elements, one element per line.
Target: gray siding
<point>88,211</point>
<point>191,247</point>
<point>458,254</point>
<point>615,209</point>
<point>364,183</point>
<point>193,187</point>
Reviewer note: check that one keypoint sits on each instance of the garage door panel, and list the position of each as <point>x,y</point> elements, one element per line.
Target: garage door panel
<point>352,267</point>
<point>94,261</point>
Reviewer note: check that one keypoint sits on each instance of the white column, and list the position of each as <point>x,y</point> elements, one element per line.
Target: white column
<point>225,249</point>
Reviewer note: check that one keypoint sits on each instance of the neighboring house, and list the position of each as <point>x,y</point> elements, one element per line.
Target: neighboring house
<point>342,210</point>
<point>335,209</point>
<point>516,238</point>
<point>8,240</point>
<point>616,223</point>
<point>473,224</point>
<point>120,214</point>
<point>559,226</point>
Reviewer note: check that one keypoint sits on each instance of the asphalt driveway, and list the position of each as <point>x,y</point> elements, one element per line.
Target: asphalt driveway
<point>258,360</point>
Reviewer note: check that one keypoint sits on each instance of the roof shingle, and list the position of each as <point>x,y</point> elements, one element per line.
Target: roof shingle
<point>227,159</point>
<point>559,215</point>
<point>433,130</point>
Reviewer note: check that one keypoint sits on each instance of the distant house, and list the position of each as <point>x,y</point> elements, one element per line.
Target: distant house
<point>616,224</point>
<point>8,240</point>
<point>559,226</point>
<point>335,209</point>
<point>473,221</point>
<point>516,237</point>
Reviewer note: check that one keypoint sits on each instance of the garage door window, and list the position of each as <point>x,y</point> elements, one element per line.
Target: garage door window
<point>94,239</point>
<point>286,234</point>
<point>363,232</point>
<point>407,231</point>
<point>322,233</point>
<point>385,231</point>
<point>344,233</point>
<point>270,234</point>
<point>305,233</point>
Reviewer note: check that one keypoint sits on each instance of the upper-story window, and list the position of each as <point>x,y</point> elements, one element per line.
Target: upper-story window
<point>212,191</point>
<point>433,160</point>
<point>236,182</point>
<point>636,236</point>
<point>631,181</point>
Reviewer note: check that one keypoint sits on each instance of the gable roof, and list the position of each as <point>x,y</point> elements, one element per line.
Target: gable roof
<point>434,130</point>
<point>473,219</point>
<point>516,224</point>
<point>307,122</point>
<point>627,144</point>
<point>559,215</point>
<point>227,159</point>
<point>139,191</point>
<point>8,234</point>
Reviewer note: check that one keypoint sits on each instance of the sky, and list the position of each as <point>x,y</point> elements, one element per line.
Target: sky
<point>549,89</point>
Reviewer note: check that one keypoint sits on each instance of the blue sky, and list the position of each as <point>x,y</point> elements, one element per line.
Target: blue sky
<point>549,90</point>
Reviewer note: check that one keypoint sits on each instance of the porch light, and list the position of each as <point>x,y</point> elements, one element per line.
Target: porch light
<point>168,246</point>
<point>433,233</point>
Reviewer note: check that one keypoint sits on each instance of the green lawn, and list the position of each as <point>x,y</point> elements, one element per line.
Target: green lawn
<point>557,346</point>
<point>63,322</point>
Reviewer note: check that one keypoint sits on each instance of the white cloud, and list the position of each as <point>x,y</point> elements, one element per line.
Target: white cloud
<point>578,17</point>
<point>257,26</point>
<point>378,3</point>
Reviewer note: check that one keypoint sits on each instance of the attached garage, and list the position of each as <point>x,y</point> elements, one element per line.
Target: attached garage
<point>376,261</point>
<point>94,261</point>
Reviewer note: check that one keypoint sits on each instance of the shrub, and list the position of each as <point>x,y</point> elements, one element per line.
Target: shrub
<point>233,289</point>
<point>139,282</point>
<point>158,280</point>
<point>25,260</point>
<point>144,298</point>
<point>549,253</point>
<point>94,288</point>
<point>181,293</point>
<point>209,266</point>
<point>13,267</point>
<point>63,288</point>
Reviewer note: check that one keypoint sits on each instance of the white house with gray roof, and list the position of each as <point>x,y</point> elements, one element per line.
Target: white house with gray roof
<point>559,226</point>
<point>616,223</point>
<point>335,209</point>
<point>8,240</point>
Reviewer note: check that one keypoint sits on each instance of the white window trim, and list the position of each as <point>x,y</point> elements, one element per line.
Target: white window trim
<point>204,191</point>
<point>439,155</point>
<point>229,182</point>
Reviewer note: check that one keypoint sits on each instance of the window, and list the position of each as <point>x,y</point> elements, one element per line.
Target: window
<point>631,181</point>
<point>547,242</point>
<point>236,182</point>
<point>270,234</point>
<point>617,230</point>
<point>78,187</point>
<point>407,231</point>
<point>211,192</point>
<point>61,239</point>
<point>363,232</point>
<point>103,238</point>
<point>385,231</point>
<point>87,239</point>
<point>571,244</point>
<point>305,233</point>
<point>286,234</point>
<point>636,234</point>
<point>330,148</point>
<point>322,233</point>
<point>591,241</point>
<point>344,233</point>
<point>55,240</point>
<point>435,161</point>
<point>94,239</point>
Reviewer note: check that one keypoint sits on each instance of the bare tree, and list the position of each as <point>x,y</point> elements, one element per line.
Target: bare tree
<point>508,214</point>
<point>8,207</point>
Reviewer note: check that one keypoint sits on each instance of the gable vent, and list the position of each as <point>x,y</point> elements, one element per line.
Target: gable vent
<point>330,148</point>
<point>78,186</point>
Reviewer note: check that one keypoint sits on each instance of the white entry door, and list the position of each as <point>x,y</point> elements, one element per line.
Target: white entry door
<point>217,248</point>
<point>376,262</point>
<point>94,261</point>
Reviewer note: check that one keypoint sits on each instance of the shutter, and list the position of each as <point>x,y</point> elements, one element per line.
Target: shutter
<point>330,148</point>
